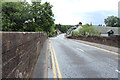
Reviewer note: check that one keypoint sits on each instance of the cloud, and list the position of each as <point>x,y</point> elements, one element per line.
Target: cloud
<point>73,11</point>
<point>97,17</point>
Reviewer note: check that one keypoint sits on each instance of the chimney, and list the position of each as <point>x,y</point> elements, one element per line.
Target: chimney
<point>80,23</point>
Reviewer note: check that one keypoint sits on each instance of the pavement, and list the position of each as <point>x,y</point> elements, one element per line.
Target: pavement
<point>110,48</point>
<point>41,67</point>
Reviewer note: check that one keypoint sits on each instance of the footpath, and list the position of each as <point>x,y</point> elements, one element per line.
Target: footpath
<point>110,48</point>
<point>41,68</point>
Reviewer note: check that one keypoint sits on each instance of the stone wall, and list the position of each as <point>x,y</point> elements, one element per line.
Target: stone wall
<point>110,41</point>
<point>20,51</point>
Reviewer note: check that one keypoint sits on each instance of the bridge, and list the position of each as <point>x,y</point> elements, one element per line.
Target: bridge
<point>35,55</point>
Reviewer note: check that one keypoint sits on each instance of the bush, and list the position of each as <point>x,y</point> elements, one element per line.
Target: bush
<point>85,31</point>
<point>75,33</point>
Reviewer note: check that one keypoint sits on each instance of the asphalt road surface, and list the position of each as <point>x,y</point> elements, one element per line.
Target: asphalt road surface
<point>72,59</point>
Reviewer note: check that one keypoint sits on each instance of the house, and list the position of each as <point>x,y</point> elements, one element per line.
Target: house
<point>103,30</point>
<point>75,28</point>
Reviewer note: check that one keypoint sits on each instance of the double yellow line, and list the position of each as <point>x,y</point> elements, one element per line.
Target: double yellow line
<point>55,65</point>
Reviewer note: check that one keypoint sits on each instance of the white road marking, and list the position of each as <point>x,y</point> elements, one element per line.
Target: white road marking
<point>96,47</point>
<point>80,49</point>
<point>117,71</point>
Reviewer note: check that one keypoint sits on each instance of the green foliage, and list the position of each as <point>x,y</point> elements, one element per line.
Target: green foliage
<point>63,28</point>
<point>14,15</point>
<point>75,33</point>
<point>43,15</point>
<point>85,31</point>
<point>112,21</point>
<point>52,32</point>
<point>18,16</point>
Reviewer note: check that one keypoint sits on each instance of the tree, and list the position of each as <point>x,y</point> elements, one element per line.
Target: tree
<point>21,16</point>
<point>47,17</point>
<point>63,28</point>
<point>14,16</point>
<point>112,21</point>
<point>42,16</point>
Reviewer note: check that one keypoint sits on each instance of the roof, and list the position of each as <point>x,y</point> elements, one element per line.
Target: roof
<point>104,29</point>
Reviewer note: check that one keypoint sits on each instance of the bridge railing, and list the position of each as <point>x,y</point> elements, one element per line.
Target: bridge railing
<point>20,51</point>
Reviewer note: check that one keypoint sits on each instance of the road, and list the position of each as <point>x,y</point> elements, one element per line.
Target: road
<point>73,59</point>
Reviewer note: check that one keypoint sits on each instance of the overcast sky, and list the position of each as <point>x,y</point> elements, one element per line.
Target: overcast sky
<point>73,11</point>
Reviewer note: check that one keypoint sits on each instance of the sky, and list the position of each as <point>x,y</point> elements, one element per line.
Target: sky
<point>71,12</point>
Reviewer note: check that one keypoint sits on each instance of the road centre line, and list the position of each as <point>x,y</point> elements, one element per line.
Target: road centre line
<point>117,71</point>
<point>98,48</point>
<point>80,49</point>
<point>56,61</point>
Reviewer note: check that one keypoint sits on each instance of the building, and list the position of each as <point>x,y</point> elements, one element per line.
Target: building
<point>74,28</point>
<point>104,30</point>
<point>119,9</point>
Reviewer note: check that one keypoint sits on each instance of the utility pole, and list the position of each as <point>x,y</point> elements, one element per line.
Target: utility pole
<point>24,0</point>
<point>119,9</point>
<point>36,0</point>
